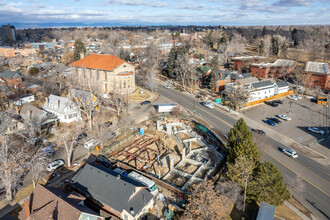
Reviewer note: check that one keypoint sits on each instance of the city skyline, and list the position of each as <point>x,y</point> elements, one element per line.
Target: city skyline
<point>37,13</point>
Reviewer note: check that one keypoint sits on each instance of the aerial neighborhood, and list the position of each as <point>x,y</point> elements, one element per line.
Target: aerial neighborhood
<point>164,122</point>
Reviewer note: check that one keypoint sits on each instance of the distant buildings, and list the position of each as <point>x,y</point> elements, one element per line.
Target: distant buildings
<point>240,62</point>
<point>7,34</point>
<point>317,74</point>
<point>108,72</point>
<point>12,52</point>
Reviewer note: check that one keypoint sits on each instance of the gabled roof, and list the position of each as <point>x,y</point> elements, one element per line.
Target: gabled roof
<point>8,74</point>
<point>248,80</point>
<point>281,84</point>
<point>111,189</point>
<point>262,84</point>
<point>99,61</point>
<point>53,100</point>
<point>45,202</point>
<point>246,75</point>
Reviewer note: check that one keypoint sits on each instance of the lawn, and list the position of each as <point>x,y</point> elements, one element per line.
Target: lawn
<point>137,96</point>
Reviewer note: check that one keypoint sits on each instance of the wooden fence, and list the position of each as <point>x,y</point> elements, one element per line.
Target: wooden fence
<point>268,99</point>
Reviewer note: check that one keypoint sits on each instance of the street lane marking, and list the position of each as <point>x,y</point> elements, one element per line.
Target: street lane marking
<point>296,173</point>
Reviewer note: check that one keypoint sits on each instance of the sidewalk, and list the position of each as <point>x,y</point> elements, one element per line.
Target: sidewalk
<point>297,211</point>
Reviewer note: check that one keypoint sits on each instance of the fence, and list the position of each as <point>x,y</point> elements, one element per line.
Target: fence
<point>117,142</point>
<point>267,99</point>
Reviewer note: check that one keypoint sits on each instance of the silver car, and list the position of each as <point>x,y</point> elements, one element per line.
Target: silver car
<point>316,130</point>
<point>290,152</point>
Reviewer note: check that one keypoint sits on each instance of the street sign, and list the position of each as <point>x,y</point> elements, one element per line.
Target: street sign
<point>218,101</point>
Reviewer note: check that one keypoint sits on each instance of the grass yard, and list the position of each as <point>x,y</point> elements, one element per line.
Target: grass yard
<point>137,96</point>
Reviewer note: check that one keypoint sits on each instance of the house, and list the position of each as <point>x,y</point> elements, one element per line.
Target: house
<point>49,203</point>
<point>13,79</point>
<point>281,87</point>
<point>114,193</point>
<point>24,99</point>
<point>29,111</point>
<point>62,107</point>
<point>317,74</point>
<point>108,72</point>
<point>239,63</point>
<point>227,76</point>
<point>261,90</point>
<point>272,70</point>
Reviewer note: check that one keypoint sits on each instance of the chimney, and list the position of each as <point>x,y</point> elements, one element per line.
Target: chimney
<point>58,104</point>
<point>27,208</point>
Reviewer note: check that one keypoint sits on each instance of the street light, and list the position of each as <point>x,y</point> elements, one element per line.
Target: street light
<point>290,107</point>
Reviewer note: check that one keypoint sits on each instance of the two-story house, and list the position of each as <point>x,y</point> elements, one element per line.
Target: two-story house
<point>117,194</point>
<point>317,74</point>
<point>107,72</point>
<point>63,108</point>
<point>12,79</point>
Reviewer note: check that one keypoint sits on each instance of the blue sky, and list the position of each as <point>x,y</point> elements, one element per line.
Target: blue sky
<point>173,12</point>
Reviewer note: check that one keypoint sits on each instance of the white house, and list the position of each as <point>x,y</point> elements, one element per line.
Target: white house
<point>24,99</point>
<point>261,90</point>
<point>64,109</point>
<point>281,87</point>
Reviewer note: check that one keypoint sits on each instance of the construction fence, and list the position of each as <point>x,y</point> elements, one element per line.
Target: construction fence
<point>268,99</point>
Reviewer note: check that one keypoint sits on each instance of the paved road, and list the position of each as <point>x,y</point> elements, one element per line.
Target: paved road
<point>314,174</point>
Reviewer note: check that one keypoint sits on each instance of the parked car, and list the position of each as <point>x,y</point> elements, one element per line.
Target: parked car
<point>81,136</point>
<point>49,151</point>
<point>316,130</point>
<point>278,101</point>
<point>283,117</point>
<point>208,104</point>
<point>270,122</point>
<point>258,131</point>
<point>55,165</point>
<point>290,152</point>
<point>145,103</point>
<point>272,103</point>
<point>275,120</point>
<point>102,160</point>
<point>294,97</point>
<point>167,87</point>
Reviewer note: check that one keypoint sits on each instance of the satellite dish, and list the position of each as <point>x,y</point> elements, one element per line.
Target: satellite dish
<point>132,211</point>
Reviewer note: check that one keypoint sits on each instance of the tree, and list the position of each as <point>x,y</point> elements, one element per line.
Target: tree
<point>79,48</point>
<point>241,143</point>
<point>182,69</point>
<point>267,185</point>
<point>261,49</point>
<point>295,37</point>
<point>117,101</point>
<point>284,49</point>
<point>275,47</point>
<point>37,163</point>
<point>205,202</point>
<point>171,62</point>
<point>33,71</point>
<point>150,81</point>
<point>215,72</point>
<point>67,58</point>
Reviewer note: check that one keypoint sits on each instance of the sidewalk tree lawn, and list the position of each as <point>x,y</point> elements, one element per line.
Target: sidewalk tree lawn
<point>241,143</point>
<point>267,185</point>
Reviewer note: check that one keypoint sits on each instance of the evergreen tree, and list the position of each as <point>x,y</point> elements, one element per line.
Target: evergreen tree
<point>241,143</point>
<point>267,185</point>
<point>275,47</point>
<point>263,31</point>
<point>214,72</point>
<point>284,49</point>
<point>241,170</point>
<point>294,36</point>
<point>79,47</point>
<point>261,47</point>
<point>171,62</point>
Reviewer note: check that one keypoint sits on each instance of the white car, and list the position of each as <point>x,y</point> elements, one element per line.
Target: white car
<point>54,165</point>
<point>284,117</point>
<point>290,152</point>
<point>208,104</point>
<point>294,97</point>
<point>167,87</point>
<point>316,130</point>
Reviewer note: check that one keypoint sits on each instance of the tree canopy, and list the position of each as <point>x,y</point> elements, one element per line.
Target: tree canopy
<point>241,143</point>
<point>241,170</point>
<point>267,185</point>
<point>79,48</point>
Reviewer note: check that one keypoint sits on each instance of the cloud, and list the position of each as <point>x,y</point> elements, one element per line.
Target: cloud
<point>293,3</point>
<point>155,4</point>
<point>193,7</point>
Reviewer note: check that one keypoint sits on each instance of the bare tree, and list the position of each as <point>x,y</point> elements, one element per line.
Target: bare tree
<point>126,121</point>
<point>117,101</point>
<point>12,158</point>
<point>37,164</point>
<point>150,81</point>
<point>183,69</point>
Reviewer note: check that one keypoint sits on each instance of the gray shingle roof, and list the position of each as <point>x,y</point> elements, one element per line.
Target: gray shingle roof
<point>261,84</point>
<point>281,84</point>
<point>104,185</point>
<point>8,74</point>
<point>317,67</point>
<point>246,75</point>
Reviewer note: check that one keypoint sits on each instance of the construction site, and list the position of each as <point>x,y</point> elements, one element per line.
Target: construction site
<point>180,153</point>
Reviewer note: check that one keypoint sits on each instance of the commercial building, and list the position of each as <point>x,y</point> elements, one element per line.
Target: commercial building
<point>317,74</point>
<point>272,70</point>
<point>108,72</point>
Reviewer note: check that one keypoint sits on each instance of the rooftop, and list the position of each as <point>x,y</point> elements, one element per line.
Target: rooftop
<point>99,61</point>
<point>249,58</point>
<point>317,67</point>
<point>8,74</point>
<point>277,63</point>
<point>262,84</point>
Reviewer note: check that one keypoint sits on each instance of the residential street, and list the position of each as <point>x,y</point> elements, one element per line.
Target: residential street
<point>317,191</point>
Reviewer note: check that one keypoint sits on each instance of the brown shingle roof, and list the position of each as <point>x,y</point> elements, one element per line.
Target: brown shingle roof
<point>47,202</point>
<point>99,61</point>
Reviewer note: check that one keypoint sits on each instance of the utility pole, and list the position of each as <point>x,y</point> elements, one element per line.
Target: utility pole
<point>290,107</point>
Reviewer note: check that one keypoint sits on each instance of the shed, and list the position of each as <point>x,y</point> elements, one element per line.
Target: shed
<point>266,211</point>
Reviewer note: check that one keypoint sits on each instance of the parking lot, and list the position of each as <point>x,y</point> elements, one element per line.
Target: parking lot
<point>303,113</point>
